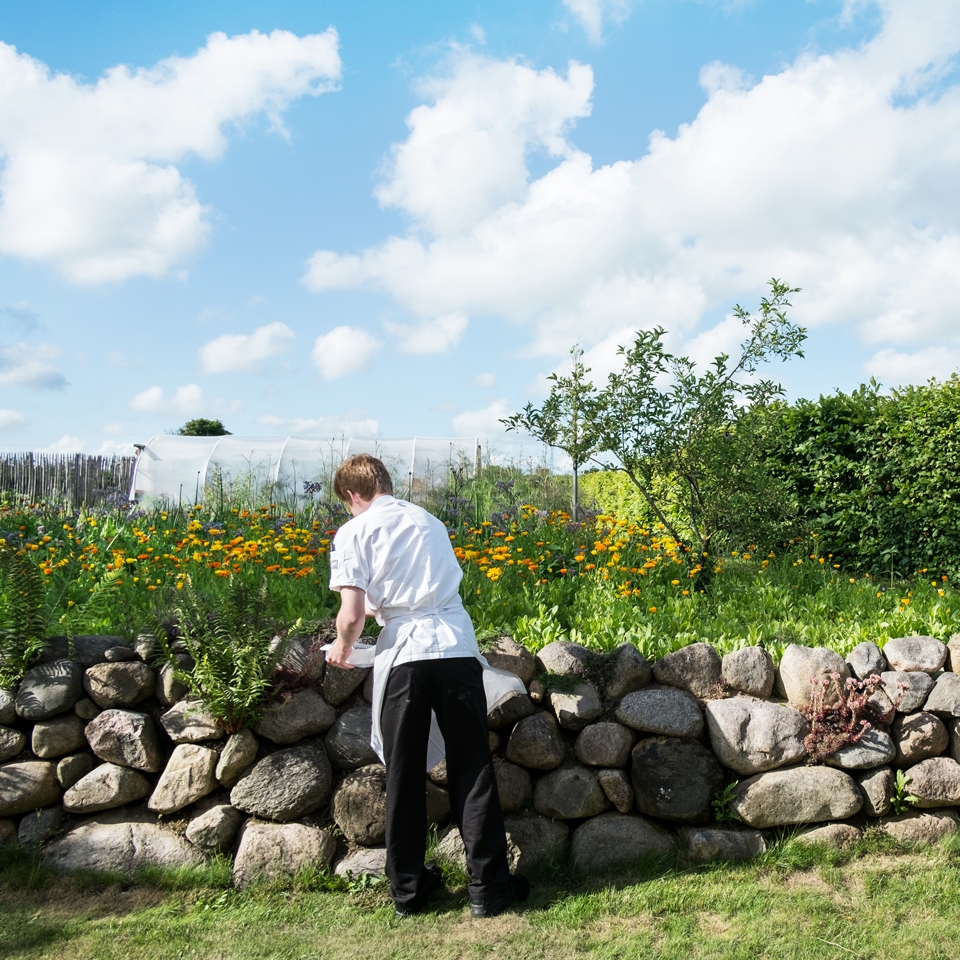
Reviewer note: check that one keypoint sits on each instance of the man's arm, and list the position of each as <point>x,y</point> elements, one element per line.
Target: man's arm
<point>350,621</point>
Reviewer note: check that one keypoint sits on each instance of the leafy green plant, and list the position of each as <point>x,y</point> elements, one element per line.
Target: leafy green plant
<point>24,614</point>
<point>722,801</point>
<point>901,800</point>
<point>234,645</point>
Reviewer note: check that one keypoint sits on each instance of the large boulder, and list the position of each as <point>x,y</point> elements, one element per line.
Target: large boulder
<point>348,740</point>
<point>907,691</point>
<point>191,721</point>
<point>796,795</point>
<point>85,649</point>
<point>27,786</point>
<point>215,829</point>
<point>303,713</point>
<point>921,828</point>
<point>874,749</point>
<point>866,659</point>
<point>664,712</point>
<point>944,699</point>
<point>513,707</point>
<point>127,738</point>
<point>270,850</point>
<point>570,793</point>
<point>364,860</point>
<point>105,787</point>
<point>532,843</point>
<point>696,668</point>
<point>935,782</point>
<point>918,736</point>
<point>119,684</point>
<point>750,736</point>
<point>605,744</point>
<point>566,659</point>
<point>627,670</point>
<point>925,654</point>
<point>37,828</point>
<point>12,743</point>
<point>506,654</point>
<point>802,667</point>
<point>120,843</point>
<point>340,682</point>
<point>830,835</point>
<point>536,743</point>
<point>617,841</point>
<point>49,689</point>
<point>360,805</point>
<point>285,785</point>
<point>57,736</point>
<point>708,844</point>
<point>575,708</point>
<point>188,776</point>
<point>8,706</point>
<point>674,779</point>
<point>514,787</point>
<point>876,786</point>
<point>238,753</point>
<point>749,671</point>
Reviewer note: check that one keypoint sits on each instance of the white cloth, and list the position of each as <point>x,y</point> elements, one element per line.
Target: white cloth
<point>401,557</point>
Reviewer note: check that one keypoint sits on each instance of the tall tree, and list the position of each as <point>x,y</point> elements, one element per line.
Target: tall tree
<point>201,427</point>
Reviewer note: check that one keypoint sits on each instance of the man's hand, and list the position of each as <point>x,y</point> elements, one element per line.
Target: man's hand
<point>350,621</point>
<point>339,654</point>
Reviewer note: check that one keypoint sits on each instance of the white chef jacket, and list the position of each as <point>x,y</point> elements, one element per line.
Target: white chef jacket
<point>401,557</point>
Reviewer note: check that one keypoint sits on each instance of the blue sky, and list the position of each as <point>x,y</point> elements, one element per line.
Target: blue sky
<point>394,219</point>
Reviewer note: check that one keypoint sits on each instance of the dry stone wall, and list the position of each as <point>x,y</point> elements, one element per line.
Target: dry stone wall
<point>106,764</point>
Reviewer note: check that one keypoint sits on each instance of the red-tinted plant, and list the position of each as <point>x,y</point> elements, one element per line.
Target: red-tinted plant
<point>843,721</point>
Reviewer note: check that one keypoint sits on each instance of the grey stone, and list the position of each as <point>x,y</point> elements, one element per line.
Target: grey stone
<point>57,736</point>
<point>514,786</point>
<point>86,709</point>
<point>749,670</point>
<point>364,860</point>
<point>534,842</point>
<point>925,654</point>
<point>147,647</point>
<point>667,713</point>
<point>952,662</point>
<point>37,828</point>
<point>348,740</point>
<point>907,691</point>
<point>796,795</point>
<point>339,683</point>
<point>570,793</point>
<point>921,828</point>
<point>875,787</point>
<point>114,845</point>
<point>918,736</point>
<point>674,779</point>
<point>935,782</point>
<point>874,749</point>
<point>438,803</point>
<point>505,654</point>
<point>119,684</point>
<point>800,665</point>
<point>303,713</point>
<point>535,743</point>
<point>437,773</point>
<point>215,829</point>
<point>8,834</point>
<point>627,670</point>
<point>751,736</point>
<point>286,784</point>
<point>105,787</point>
<point>8,706</point>
<point>188,776</point>
<point>86,649</point>
<point>881,706</point>
<point>831,835</point>
<point>616,785</point>
<point>127,738</point>
<point>303,657</point>
<point>239,753</point>
<point>537,691</point>
<point>49,689</point>
<point>119,654</point>
<point>866,659</point>
<point>190,721</point>
<point>566,659</point>
<point>574,709</point>
<point>12,743</point>
<point>944,699</point>
<point>367,691</point>
<point>695,668</point>
<point>709,844</point>
<point>171,690</point>
<point>27,786</point>
<point>71,769</point>
<point>360,805</point>
<point>616,841</point>
<point>605,744</point>
<point>493,738</point>
<point>515,706</point>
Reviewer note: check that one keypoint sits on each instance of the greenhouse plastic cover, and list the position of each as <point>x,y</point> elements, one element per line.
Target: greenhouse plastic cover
<point>181,469</point>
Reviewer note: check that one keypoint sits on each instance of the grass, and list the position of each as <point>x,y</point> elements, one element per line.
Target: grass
<point>795,903</point>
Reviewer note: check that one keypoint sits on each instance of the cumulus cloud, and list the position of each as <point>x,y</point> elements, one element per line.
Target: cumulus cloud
<point>836,173</point>
<point>591,14</point>
<point>344,350</point>
<point>25,365</point>
<point>353,423</point>
<point>11,419</point>
<point>485,380</point>
<point>90,182</point>
<point>188,401</point>
<point>429,336</point>
<point>482,423</point>
<point>244,352</point>
<point>66,444</point>
<point>894,368</point>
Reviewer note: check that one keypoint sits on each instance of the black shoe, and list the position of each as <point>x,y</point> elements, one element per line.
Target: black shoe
<point>518,889</point>
<point>430,882</point>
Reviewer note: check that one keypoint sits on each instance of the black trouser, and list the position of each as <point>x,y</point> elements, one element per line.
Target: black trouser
<point>453,689</point>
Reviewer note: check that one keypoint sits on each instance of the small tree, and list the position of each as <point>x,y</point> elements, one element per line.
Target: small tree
<point>567,419</point>
<point>201,427</point>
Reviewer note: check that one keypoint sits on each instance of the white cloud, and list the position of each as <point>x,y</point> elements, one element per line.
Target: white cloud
<point>485,380</point>
<point>837,174</point>
<point>21,316</point>
<point>66,444</point>
<point>90,182</point>
<point>188,401</point>
<point>117,358</point>
<point>352,423</point>
<point>344,350</point>
<point>11,419</point>
<point>244,351</point>
<point>592,13</point>
<point>23,365</point>
<point>482,423</point>
<point>894,368</point>
<point>429,336</point>
<point>112,429</point>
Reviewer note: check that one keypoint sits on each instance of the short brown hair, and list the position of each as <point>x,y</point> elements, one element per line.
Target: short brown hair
<point>366,476</point>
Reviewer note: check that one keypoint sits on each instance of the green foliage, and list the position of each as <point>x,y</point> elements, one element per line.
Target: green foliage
<point>901,800</point>
<point>234,645</point>
<point>24,614</point>
<point>721,803</point>
<point>202,427</point>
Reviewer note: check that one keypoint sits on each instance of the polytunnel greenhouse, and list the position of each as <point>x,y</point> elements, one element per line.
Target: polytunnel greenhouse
<point>186,470</point>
